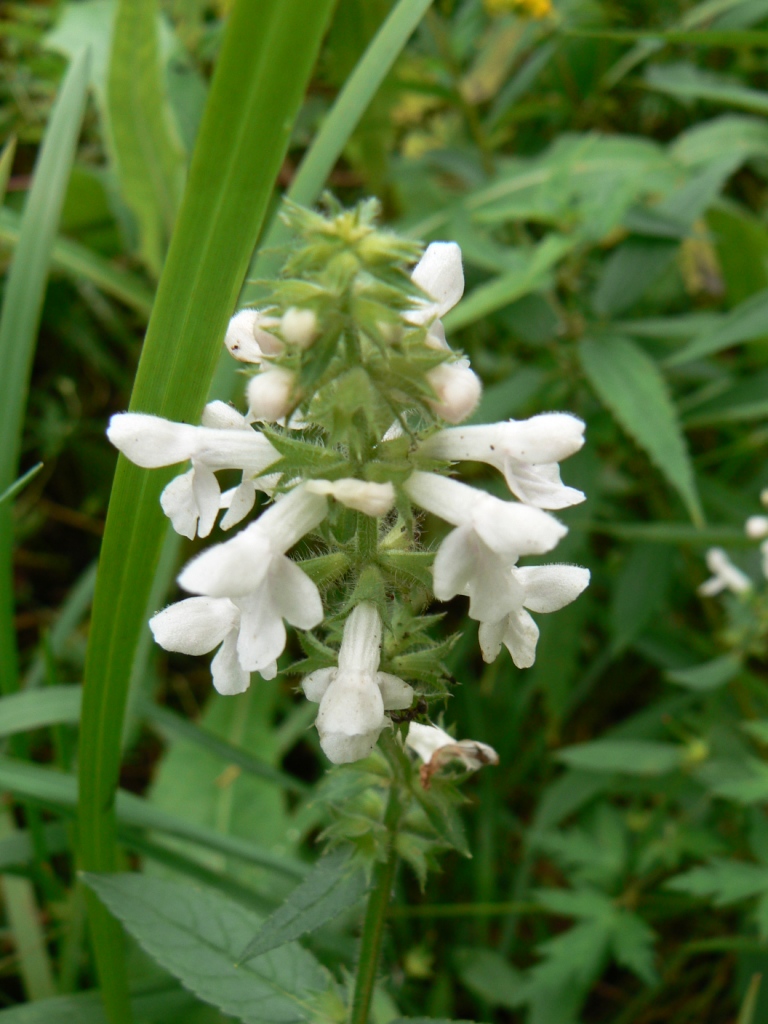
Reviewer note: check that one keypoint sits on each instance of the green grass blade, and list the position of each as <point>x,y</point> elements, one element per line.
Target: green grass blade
<point>20,316</point>
<point>6,163</point>
<point>265,61</point>
<point>351,103</point>
<point>18,485</point>
<point>78,261</point>
<point>148,155</point>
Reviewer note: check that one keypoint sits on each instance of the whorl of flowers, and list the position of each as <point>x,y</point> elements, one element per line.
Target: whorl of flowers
<point>354,406</point>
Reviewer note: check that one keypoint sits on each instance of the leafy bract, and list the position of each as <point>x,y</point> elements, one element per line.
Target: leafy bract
<point>197,935</point>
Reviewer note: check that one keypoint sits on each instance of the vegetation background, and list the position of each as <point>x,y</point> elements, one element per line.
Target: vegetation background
<point>604,167</point>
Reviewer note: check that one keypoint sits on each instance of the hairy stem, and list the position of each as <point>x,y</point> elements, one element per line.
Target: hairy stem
<point>375,916</point>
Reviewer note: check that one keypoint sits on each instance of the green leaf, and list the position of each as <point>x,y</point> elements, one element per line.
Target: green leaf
<point>629,383</point>
<point>334,885</point>
<point>723,881</point>
<point>511,285</point>
<point>730,133</point>
<point>336,129</point>
<point>196,935</point>
<point>18,485</point>
<point>168,1005</point>
<point>631,269</point>
<point>630,757</point>
<point>747,321</point>
<point>687,82</point>
<point>6,165</point>
<point>266,57</point>
<point>749,1006</point>
<point>490,976</point>
<point>148,155</point>
<point>710,675</point>
<point>33,709</point>
<point>78,261</point>
<point>20,317</point>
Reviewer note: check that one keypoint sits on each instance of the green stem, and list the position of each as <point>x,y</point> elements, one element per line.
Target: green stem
<point>375,916</point>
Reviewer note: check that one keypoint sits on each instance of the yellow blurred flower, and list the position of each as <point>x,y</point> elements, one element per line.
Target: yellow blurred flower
<point>533,8</point>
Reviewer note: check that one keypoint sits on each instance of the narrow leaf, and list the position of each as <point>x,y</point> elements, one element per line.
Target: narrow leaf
<point>747,321</point>
<point>18,485</point>
<point>196,934</point>
<point>33,709</point>
<point>629,383</point>
<point>6,164</point>
<point>710,675</point>
<point>334,885</point>
<point>630,757</point>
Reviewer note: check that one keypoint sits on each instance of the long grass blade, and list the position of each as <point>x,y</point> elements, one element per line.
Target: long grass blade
<point>265,61</point>
<point>18,485</point>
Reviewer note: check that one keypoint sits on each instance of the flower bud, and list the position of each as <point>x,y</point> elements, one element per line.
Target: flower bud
<point>270,394</point>
<point>351,717</point>
<point>756,527</point>
<point>246,337</point>
<point>299,326</point>
<point>371,498</point>
<point>458,391</point>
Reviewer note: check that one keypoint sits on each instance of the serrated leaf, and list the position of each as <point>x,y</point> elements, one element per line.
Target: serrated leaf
<point>437,805</point>
<point>631,757</point>
<point>197,934</point>
<point>632,943</point>
<point>490,976</point>
<point>630,271</point>
<point>723,881</point>
<point>747,321</point>
<point>334,885</point>
<point>629,383</point>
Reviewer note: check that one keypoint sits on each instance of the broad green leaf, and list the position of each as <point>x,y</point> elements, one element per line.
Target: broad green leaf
<point>741,245</point>
<point>687,82</point>
<point>630,384</point>
<point>629,757</point>
<point>729,133</point>
<point>18,485</point>
<point>334,885</point>
<point>710,675</point>
<point>630,271</point>
<point>747,321</point>
<point>750,789</point>
<point>20,317</point>
<point>149,158</point>
<point>490,976</point>
<point>723,881</point>
<point>78,261</point>
<point>196,935</point>
<point>33,709</point>
<point>266,56</point>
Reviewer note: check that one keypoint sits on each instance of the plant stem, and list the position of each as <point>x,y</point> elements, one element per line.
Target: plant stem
<point>375,916</point>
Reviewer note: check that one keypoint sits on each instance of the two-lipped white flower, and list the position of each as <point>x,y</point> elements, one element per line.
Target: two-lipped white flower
<point>355,697</point>
<point>526,452</point>
<point>541,588</point>
<point>248,336</point>
<point>247,586</point>
<point>439,274</point>
<point>475,559</point>
<point>725,575</point>
<point>437,748</point>
<point>224,441</point>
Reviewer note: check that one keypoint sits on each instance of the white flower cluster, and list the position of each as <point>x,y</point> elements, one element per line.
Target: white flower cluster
<point>246,588</point>
<point>727,576</point>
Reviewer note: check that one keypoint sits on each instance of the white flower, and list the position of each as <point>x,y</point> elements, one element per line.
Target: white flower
<point>299,326</point>
<point>270,394</point>
<point>439,273</point>
<point>437,748</point>
<point>371,498</point>
<point>543,588</point>
<point>475,559</point>
<point>247,337</point>
<point>354,697</point>
<point>198,625</point>
<point>526,452</point>
<point>254,573</point>
<point>756,527</point>
<point>224,441</point>
<point>725,575</point>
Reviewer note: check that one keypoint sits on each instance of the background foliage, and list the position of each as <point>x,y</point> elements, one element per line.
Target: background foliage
<point>603,167</point>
